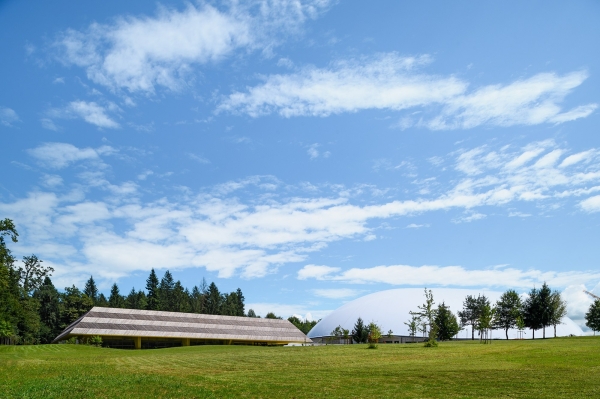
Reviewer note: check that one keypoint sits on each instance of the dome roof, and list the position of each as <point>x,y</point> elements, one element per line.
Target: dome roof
<point>390,310</point>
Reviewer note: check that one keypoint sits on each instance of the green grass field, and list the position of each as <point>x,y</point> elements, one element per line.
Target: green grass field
<point>553,368</point>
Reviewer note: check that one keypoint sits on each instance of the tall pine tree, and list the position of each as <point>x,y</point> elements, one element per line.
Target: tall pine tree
<point>152,289</point>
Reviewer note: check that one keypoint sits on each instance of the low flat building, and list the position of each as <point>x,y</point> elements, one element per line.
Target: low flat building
<point>147,329</point>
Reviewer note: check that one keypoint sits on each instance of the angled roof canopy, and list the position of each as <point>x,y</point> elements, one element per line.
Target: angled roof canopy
<point>126,323</point>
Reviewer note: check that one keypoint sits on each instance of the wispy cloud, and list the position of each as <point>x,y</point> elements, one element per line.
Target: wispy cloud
<point>198,158</point>
<point>454,276</point>
<point>139,54</point>
<point>222,233</point>
<point>395,83</point>
<point>336,293</point>
<point>314,152</point>
<point>91,112</point>
<point>60,155</point>
<point>8,116</point>
<point>387,82</point>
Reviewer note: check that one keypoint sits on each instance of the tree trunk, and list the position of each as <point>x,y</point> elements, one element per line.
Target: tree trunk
<point>544,332</point>
<point>506,333</point>
<point>472,332</point>
<point>532,333</point>
<point>555,331</point>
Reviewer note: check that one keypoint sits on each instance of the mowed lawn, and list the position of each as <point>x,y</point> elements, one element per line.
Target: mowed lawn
<point>552,368</point>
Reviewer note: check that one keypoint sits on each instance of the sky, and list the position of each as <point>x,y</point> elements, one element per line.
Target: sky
<point>307,151</point>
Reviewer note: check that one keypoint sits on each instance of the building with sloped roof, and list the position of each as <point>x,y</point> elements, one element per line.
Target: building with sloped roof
<point>146,329</point>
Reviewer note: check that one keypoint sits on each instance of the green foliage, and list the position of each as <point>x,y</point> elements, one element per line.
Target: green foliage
<point>95,340</point>
<point>213,300</point>
<point>73,305</point>
<point>360,332</point>
<point>303,325</point>
<point>446,323</point>
<point>508,310</point>
<point>413,324</point>
<point>592,316</point>
<point>152,289</point>
<point>116,300</point>
<point>374,335</point>
<point>252,313</point>
<point>558,309</point>
<point>272,315</point>
<point>91,290</point>
<point>485,322</point>
<point>534,311</point>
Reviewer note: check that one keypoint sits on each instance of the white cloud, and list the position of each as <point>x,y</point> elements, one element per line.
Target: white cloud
<point>386,82</point>
<point>416,226</point>
<point>524,102</point>
<point>395,83</point>
<point>49,124</point>
<point>218,231</point>
<point>198,158</point>
<point>8,116</point>
<point>60,155</point>
<point>591,204</point>
<point>316,271</point>
<point>90,112</point>
<point>336,293</point>
<point>455,276</point>
<point>140,53</point>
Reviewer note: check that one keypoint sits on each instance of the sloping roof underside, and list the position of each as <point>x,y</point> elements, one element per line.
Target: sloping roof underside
<point>148,323</point>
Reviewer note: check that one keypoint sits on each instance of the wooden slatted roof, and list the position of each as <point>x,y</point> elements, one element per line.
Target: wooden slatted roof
<point>155,324</point>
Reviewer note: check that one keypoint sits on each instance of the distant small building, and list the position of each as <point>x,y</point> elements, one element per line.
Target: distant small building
<point>147,329</point>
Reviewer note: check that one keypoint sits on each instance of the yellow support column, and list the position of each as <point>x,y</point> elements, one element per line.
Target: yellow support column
<point>138,342</point>
<point>185,342</point>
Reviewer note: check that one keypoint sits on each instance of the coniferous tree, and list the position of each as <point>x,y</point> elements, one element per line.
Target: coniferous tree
<point>135,300</point>
<point>165,293</point>
<point>91,290</point>
<point>360,332</point>
<point>213,300</point>
<point>180,298</point>
<point>115,300</point>
<point>49,311</point>
<point>240,311</point>
<point>252,313</point>
<point>102,301</point>
<point>197,299</point>
<point>152,289</point>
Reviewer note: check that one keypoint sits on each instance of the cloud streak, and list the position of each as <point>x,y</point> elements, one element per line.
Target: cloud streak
<point>216,230</point>
<point>444,276</point>
<point>395,83</point>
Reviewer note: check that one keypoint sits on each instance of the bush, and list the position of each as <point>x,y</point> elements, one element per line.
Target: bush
<point>96,340</point>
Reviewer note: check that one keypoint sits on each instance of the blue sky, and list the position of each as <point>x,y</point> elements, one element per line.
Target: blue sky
<point>308,152</point>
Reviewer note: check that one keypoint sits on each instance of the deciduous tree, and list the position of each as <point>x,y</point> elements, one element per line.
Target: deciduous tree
<point>508,309</point>
<point>592,316</point>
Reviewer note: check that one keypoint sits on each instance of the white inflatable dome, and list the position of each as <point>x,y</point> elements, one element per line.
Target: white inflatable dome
<point>390,310</point>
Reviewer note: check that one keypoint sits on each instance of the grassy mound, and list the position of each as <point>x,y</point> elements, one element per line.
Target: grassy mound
<point>564,367</point>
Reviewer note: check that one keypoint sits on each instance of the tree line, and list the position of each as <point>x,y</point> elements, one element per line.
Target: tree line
<point>542,308</point>
<point>33,311</point>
